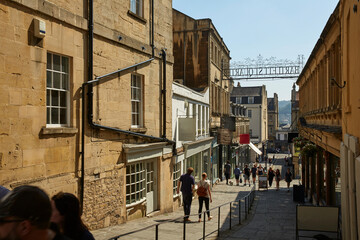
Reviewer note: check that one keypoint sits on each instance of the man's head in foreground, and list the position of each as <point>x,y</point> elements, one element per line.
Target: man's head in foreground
<point>25,214</point>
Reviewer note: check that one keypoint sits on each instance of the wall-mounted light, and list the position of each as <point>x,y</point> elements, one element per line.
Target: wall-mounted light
<point>334,82</point>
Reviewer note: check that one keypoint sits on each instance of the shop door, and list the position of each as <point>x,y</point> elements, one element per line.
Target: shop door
<point>151,187</point>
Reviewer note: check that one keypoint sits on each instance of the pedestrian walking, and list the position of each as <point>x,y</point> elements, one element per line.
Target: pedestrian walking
<point>277,178</point>
<point>271,176</point>
<point>288,178</point>
<point>204,195</point>
<point>227,171</point>
<point>66,214</point>
<point>286,161</point>
<point>260,170</point>
<point>253,173</point>
<point>246,175</point>
<point>237,173</point>
<point>187,183</point>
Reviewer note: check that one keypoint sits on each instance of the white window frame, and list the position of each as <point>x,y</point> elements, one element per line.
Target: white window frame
<point>176,177</point>
<point>238,100</point>
<point>62,105</point>
<point>250,100</point>
<point>135,183</point>
<point>137,101</point>
<point>137,7</point>
<point>249,113</point>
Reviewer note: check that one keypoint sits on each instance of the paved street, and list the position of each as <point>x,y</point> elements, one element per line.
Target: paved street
<point>271,217</point>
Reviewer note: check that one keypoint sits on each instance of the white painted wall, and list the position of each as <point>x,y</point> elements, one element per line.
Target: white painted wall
<point>186,102</point>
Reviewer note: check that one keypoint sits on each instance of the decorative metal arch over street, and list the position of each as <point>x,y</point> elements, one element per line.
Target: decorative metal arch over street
<point>261,68</point>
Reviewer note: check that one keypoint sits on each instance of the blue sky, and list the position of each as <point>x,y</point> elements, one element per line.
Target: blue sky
<point>273,28</point>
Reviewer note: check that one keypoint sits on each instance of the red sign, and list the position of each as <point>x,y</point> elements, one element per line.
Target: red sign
<point>244,138</point>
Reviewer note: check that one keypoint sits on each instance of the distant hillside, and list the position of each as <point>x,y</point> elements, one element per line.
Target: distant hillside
<point>284,112</point>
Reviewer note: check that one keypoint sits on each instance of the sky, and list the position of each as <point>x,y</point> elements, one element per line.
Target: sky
<point>283,29</point>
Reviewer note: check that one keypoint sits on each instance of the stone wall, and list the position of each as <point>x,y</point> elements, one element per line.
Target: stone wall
<point>31,153</point>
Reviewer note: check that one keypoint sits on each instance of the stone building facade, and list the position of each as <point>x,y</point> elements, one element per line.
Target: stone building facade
<point>320,114</point>
<point>116,163</point>
<point>273,119</point>
<point>255,101</point>
<point>349,16</point>
<point>329,115</point>
<point>200,57</point>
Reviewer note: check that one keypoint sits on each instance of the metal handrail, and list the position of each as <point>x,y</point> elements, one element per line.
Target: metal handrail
<point>249,198</point>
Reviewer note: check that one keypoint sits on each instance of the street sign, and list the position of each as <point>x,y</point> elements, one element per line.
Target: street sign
<point>244,138</point>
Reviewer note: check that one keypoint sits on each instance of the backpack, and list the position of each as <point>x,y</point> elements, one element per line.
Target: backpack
<point>201,191</point>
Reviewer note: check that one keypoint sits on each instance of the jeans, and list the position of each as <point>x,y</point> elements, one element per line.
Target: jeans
<point>187,199</point>
<point>206,200</point>
<point>270,181</point>
<point>227,176</point>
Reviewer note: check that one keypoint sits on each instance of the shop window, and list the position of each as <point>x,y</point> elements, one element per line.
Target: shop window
<point>135,183</point>
<point>176,176</point>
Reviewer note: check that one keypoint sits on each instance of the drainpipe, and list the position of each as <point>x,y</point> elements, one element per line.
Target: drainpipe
<point>90,92</point>
<point>90,105</point>
<point>163,91</point>
<point>152,29</point>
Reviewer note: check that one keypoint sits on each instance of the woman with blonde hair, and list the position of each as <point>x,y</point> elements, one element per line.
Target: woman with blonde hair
<point>204,195</point>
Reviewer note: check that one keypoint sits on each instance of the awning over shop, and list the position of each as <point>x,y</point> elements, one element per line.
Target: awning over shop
<point>253,147</point>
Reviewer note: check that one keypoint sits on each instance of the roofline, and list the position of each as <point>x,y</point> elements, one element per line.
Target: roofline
<point>212,26</point>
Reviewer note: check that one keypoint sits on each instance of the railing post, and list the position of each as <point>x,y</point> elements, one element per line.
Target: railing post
<point>230,215</point>
<point>184,233</point>
<point>157,232</point>
<point>240,211</point>
<point>218,223</point>
<point>245,207</point>
<point>204,226</point>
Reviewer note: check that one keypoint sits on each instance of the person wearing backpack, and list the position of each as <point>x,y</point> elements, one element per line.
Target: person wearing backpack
<point>246,175</point>
<point>204,195</point>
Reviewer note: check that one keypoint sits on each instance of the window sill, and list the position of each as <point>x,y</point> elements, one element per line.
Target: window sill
<point>137,17</point>
<point>135,203</point>
<point>58,130</point>
<point>138,130</point>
